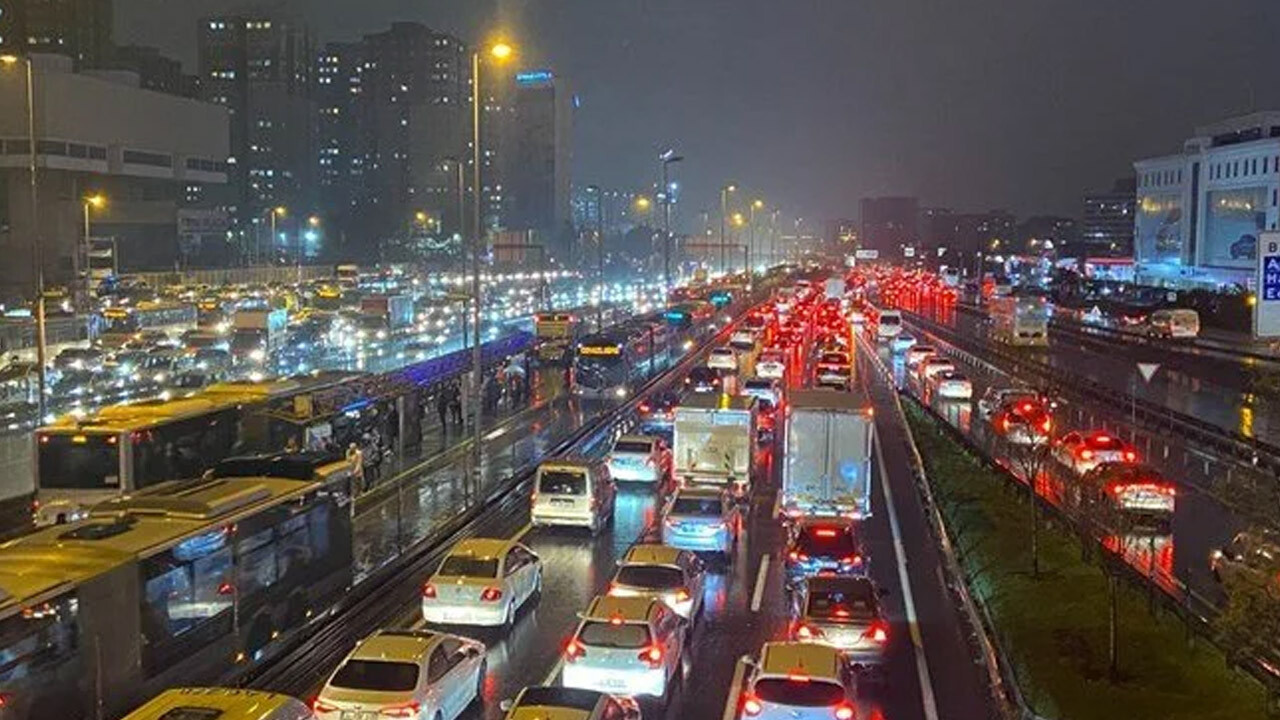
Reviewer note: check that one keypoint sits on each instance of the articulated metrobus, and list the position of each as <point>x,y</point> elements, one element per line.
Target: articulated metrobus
<point>180,584</point>
<point>124,448</point>
<point>613,364</point>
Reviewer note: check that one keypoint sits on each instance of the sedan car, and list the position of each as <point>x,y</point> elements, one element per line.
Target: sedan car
<point>701,519</point>
<point>659,408</point>
<point>482,582</point>
<point>405,674</point>
<point>742,339</point>
<point>1131,489</point>
<point>723,358</point>
<point>918,353</point>
<point>639,458</point>
<point>843,612</point>
<point>951,385</point>
<point>931,366</point>
<point>822,547</point>
<point>1255,552</point>
<point>1081,452</point>
<point>798,681</point>
<point>772,365</point>
<point>664,573</point>
<point>625,645</point>
<point>703,380</point>
<point>546,702</point>
<point>1023,422</point>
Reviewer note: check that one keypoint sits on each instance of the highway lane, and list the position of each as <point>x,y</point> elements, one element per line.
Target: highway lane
<point>1211,389</point>
<point>745,604</point>
<point>1176,558</point>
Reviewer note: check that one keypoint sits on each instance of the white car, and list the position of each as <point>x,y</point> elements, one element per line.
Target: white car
<point>932,366</point>
<point>951,385</point>
<point>799,681</point>
<point>766,390</point>
<point>918,353</point>
<point>772,365</point>
<point>405,674</point>
<point>723,358</point>
<point>661,572</point>
<point>626,645</point>
<point>1084,451</point>
<point>639,458</point>
<point>995,398</point>
<point>483,582</point>
<point>742,339</point>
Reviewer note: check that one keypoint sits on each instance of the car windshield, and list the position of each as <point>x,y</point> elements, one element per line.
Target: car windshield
<point>653,577</point>
<point>710,507</point>
<point>840,605</point>
<point>376,675</point>
<point>632,446</point>
<point>468,566</point>
<point>562,482</point>
<point>611,635</point>
<point>799,692</point>
<point>758,385</point>
<point>826,541</point>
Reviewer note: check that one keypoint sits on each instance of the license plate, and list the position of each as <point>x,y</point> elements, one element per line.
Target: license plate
<point>613,682</point>
<point>561,502</point>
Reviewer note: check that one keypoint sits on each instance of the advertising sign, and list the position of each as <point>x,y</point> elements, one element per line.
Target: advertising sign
<point>1159,229</point>
<point>866,254</point>
<point>1233,220</point>
<point>1266,311</point>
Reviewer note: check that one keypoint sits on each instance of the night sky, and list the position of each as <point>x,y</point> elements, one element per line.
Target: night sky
<point>813,104</point>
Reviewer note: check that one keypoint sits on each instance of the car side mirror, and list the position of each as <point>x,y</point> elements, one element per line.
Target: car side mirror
<point>506,705</point>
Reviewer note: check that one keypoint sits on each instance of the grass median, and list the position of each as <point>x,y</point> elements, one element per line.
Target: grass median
<point>1055,627</point>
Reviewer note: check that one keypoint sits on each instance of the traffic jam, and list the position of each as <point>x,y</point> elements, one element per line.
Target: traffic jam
<point>731,462</point>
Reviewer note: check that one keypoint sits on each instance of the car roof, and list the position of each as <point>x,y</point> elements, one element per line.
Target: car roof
<point>555,703</point>
<point>396,645</point>
<point>652,554</point>
<point>606,607</point>
<point>482,548</point>
<point>789,658</point>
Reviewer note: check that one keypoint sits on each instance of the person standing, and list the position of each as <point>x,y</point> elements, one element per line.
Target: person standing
<point>442,408</point>
<point>455,404</point>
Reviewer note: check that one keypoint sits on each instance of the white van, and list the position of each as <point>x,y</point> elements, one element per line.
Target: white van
<point>1173,324</point>
<point>577,492</point>
<point>223,704</point>
<point>888,325</point>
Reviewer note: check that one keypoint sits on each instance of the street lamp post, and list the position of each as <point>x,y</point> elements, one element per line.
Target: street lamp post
<point>37,248</point>
<point>666,159</point>
<point>498,51</point>
<point>724,211</point>
<point>96,201</point>
<point>756,204</point>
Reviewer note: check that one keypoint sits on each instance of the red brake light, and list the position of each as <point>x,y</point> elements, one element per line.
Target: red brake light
<point>317,705</point>
<point>1130,456</point>
<point>428,591</point>
<point>825,533</point>
<point>1026,407</point>
<point>798,677</point>
<point>1086,454</point>
<point>491,594</point>
<point>652,655</point>
<point>844,712</point>
<point>752,706</point>
<point>793,556</point>
<point>854,560</point>
<point>407,710</point>
<point>573,650</point>
<point>878,632</point>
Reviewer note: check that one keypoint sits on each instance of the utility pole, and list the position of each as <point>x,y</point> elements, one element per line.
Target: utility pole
<point>724,211</point>
<point>666,159</point>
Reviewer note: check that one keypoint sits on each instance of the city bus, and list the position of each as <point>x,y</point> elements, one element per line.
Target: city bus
<point>614,363</point>
<point>1018,320</point>
<point>120,449</point>
<point>184,583</point>
<point>555,333</point>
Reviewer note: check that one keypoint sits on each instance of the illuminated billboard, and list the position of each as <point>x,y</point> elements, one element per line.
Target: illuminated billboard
<point>1159,229</point>
<point>1233,220</point>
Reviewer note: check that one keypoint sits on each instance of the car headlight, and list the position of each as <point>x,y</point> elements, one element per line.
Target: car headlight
<point>382,334</point>
<point>258,355</point>
<point>620,392</point>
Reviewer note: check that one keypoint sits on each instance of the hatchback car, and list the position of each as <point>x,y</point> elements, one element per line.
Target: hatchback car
<point>639,458</point>
<point>701,519</point>
<point>626,645</point>
<point>704,380</point>
<point>822,547</point>
<point>951,385</point>
<point>561,703</point>
<point>1023,422</point>
<point>405,674</point>
<point>723,358</point>
<point>663,573</point>
<point>843,612</point>
<point>798,681</point>
<point>1081,452</point>
<point>772,365</point>
<point>918,353</point>
<point>931,366</point>
<point>482,582</point>
<point>659,408</point>
<point>573,491</point>
<point>1130,488</point>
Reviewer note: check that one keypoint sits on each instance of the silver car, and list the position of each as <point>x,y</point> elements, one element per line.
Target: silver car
<point>702,520</point>
<point>626,645</point>
<point>663,573</point>
<point>845,613</point>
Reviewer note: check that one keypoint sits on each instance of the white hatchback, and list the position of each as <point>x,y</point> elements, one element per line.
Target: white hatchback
<point>772,365</point>
<point>482,582</point>
<point>723,358</point>
<point>405,674</point>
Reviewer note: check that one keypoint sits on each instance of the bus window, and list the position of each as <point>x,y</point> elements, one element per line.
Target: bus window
<point>79,462</point>
<point>184,589</point>
<point>40,661</point>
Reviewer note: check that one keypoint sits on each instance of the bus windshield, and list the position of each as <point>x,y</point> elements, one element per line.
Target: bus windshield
<point>79,462</point>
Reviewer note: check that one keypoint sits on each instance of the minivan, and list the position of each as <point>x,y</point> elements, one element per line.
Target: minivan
<point>1175,324</point>
<point>577,492</point>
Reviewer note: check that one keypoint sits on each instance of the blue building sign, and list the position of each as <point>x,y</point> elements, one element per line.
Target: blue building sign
<point>534,78</point>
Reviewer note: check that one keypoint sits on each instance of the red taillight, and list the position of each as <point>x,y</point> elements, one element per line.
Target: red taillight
<point>825,533</point>
<point>320,706</point>
<point>751,706</point>
<point>1086,454</point>
<point>1045,425</point>
<point>844,712</point>
<point>226,589</point>
<point>573,650</point>
<point>878,632</point>
<point>854,560</point>
<point>644,407</point>
<point>429,591</point>
<point>407,710</point>
<point>491,594</point>
<point>1130,456</point>
<point>652,656</point>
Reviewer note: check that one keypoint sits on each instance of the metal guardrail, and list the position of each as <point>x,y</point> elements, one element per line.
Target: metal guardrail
<point>1002,681</point>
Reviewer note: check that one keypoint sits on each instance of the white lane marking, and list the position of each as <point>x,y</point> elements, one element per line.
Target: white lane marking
<point>555,672</point>
<point>496,433</point>
<point>735,691</point>
<point>929,703</point>
<point>762,576</point>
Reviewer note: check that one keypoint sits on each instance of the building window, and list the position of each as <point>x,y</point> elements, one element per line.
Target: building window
<point>138,157</point>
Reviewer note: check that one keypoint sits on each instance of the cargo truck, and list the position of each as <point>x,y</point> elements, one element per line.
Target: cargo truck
<point>257,332</point>
<point>827,468</point>
<point>385,315</point>
<point>715,442</point>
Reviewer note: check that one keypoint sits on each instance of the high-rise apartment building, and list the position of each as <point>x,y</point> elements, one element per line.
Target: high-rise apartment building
<point>1107,226</point>
<point>538,157</point>
<point>79,29</point>
<point>259,68</point>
